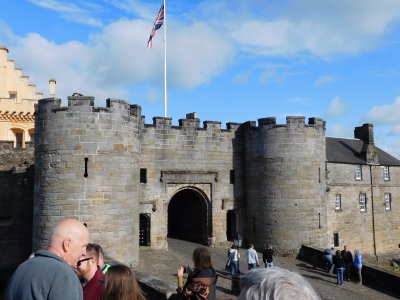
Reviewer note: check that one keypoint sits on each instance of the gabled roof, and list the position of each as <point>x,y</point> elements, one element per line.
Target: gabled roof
<point>349,151</point>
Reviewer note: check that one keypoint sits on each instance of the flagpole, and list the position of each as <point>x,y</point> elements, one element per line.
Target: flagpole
<point>165,60</point>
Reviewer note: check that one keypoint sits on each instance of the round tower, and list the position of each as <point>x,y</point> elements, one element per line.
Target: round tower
<point>285,183</point>
<point>87,167</point>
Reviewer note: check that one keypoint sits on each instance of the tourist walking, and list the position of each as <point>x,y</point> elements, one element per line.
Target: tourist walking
<point>348,262</point>
<point>327,259</point>
<point>252,257</point>
<point>358,265</point>
<point>339,264</point>
<point>268,253</point>
<point>233,257</point>
<point>201,282</point>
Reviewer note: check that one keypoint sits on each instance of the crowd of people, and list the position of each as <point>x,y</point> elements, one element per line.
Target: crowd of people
<point>73,268</point>
<point>342,261</point>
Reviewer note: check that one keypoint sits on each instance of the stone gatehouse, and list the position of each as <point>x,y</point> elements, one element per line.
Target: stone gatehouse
<point>138,183</point>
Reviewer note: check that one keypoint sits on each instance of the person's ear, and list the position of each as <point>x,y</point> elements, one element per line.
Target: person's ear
<point>66,244</point>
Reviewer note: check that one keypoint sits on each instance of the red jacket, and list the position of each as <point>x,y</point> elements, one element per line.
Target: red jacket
<point>93,290</point>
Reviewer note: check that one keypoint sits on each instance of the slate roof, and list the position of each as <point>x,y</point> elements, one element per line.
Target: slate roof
<point>349,151</point>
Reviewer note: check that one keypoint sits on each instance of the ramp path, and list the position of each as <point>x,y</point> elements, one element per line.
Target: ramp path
<point>163,264</point>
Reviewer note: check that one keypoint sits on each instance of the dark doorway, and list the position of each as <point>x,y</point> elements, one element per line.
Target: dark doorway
<point>187,217</point>
<point>144,230</point>
<point>231,225</point>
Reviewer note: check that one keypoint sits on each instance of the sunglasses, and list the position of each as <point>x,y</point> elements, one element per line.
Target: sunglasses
<point>82,260</point>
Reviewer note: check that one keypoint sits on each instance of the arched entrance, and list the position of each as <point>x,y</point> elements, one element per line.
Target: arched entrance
<point>188,217</point>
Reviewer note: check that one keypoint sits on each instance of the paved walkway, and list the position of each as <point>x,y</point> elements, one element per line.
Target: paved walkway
<point>163,264</point>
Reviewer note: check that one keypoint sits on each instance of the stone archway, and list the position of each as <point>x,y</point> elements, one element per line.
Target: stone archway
<point>188,217</point>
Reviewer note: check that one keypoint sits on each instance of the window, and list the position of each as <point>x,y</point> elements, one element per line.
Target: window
<point>143,175</point>
<point>336,239</point>
<point>363,202</point>
<point>19,137</point>
<point>358,172</point>
<point>388,201</point>
<point>232,177</point>
<point>12,95</point>
<point>338,202</point>
<point>386,174</point>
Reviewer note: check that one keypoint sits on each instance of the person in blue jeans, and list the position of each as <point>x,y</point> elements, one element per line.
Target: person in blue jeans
<point>233,256</point>
<point>252,257</point>
<point>268,253</point>
<point>339,263</point>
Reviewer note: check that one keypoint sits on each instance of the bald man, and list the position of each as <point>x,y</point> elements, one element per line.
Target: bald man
<point>50,274</point>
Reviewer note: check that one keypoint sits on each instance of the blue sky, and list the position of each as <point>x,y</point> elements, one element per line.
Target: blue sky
<point>229,61</point>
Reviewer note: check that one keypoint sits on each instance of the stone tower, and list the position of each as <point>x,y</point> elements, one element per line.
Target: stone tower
<point>87,167</point>
<point>285,183</point>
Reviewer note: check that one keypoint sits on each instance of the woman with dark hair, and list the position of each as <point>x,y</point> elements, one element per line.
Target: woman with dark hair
<point>121,284</point>
<point>201,282</point>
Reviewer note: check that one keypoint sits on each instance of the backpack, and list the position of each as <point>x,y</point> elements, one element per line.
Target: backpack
<point>231,255</point>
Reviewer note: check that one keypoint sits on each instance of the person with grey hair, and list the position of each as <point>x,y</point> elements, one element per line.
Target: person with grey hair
<point>275,284</point>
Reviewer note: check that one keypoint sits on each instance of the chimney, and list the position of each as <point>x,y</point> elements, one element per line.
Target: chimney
<point>52,86</point>
<point>365,133</point>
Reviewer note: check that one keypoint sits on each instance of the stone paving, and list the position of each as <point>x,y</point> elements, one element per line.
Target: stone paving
<point>163,265</point>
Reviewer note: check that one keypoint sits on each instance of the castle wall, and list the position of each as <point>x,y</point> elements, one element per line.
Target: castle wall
<point>356,228</point>
<point>187,156</point>
<point>285,183</point>
<point>16,198</point>
<point>107,198</point>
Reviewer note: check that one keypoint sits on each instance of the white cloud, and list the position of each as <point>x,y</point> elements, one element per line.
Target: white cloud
<point>336,107</point>
<point>320,28</point>
<point>70,11</point>
<point>117,58</point>
<point>385,114</point>
<point>324,79</point>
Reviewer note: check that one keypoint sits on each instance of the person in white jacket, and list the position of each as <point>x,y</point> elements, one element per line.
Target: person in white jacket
<point>252,257</point>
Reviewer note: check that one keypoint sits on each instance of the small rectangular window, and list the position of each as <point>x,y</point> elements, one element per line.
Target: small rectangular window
<point>336,239</point>
<point>363,202</point>
<point>232,177</point>
<point>143,175</point>
<point>338,202</point>
<point>388,201</point>
<point>358,172</point>
<point>19,137</point>
<point>386,173</point>
<point>12,95</point>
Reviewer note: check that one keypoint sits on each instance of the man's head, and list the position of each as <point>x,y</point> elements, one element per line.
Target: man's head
<point>69,240</point>
<point>275,284</point>
<point>100,251</point>
<point>345,248</point>
<point>251,245</point>
<point>87,266</point>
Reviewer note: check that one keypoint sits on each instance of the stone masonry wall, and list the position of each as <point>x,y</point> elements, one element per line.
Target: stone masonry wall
<point>192,151</point>
<point>356,228</point>
<point>285,188</point>
<point>16,198</point>
<point>107,198</point>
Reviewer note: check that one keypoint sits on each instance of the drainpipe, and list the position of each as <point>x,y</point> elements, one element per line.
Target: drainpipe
<point>373,212</point>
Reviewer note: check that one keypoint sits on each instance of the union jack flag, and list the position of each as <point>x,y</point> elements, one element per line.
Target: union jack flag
<point>157,24</point>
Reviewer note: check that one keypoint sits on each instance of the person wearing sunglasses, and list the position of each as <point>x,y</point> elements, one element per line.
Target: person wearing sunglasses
<point>90,274</point>
<point>50,274</point>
